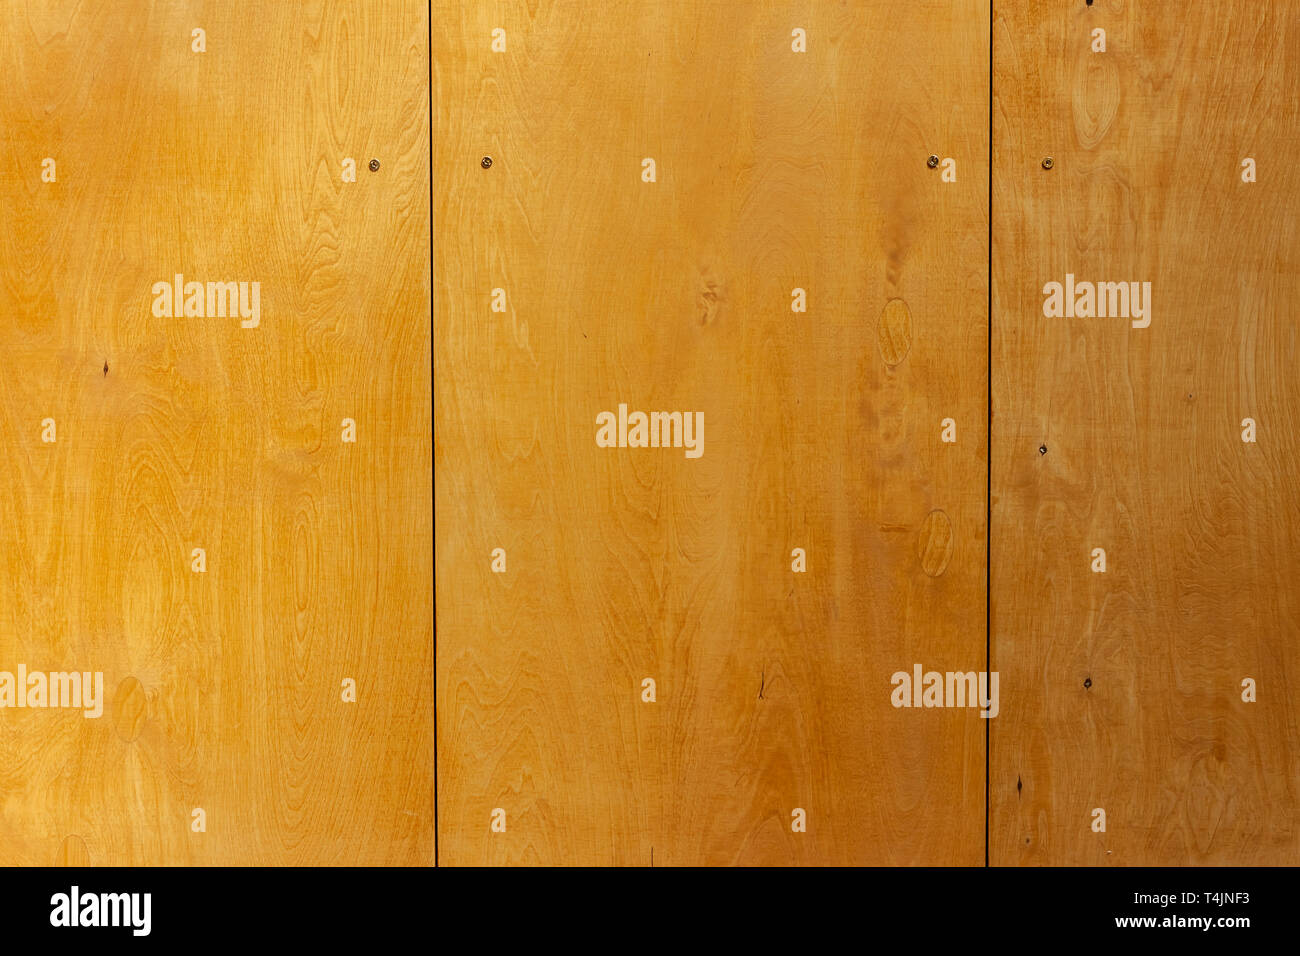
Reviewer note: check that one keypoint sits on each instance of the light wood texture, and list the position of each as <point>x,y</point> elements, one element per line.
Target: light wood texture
<point>1142,428</point>
<point>775,170</point>
<point>224,687</point>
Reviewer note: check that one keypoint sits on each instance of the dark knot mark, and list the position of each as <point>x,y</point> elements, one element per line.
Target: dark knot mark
<point>1087,682</point>
<point>762,682</point>
<point>106,367</point>
<point>1018,785</point>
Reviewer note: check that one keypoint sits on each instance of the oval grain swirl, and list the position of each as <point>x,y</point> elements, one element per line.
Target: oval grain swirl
<point>894,332</point>
<point>1094,98</point>
<point>935,543</point>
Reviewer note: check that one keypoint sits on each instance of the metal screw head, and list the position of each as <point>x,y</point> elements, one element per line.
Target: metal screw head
<point>932,162</point>
<point>1087,682</point>
<point>1042,449</point>
<point>374,165</point>
<point>1047,163</point>
<point>487,162</point>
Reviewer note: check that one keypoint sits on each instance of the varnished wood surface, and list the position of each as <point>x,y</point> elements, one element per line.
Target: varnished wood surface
<point>1142,429</point>
<point>223,687</point>
<point>775,170</point>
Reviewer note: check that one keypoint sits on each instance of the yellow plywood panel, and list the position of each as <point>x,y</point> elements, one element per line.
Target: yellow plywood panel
<point>131,438</point>
<point>572,279</point>
<point>1123,688</point>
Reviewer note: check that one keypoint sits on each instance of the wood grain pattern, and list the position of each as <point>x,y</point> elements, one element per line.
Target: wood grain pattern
<point>775,171</point>
<point>223,687</point>
<point>1144,452</point>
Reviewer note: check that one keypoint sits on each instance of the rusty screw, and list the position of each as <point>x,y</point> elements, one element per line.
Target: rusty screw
<point>1047,163</point>
<point>374,165</point>
<point>487,162</point>
<point>932,162</point>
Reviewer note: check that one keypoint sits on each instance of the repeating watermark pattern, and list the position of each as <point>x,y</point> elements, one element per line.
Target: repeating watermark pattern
<point>946,689</point>
<point>74,908</point>
<point>198,300</point>
<point>651,430</point>
<point>177,298</point>
<point>1086,300</point>
<point>79,690</point>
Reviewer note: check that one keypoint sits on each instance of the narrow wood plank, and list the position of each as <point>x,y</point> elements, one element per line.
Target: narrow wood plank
<point>223,687</point>
<point>1123,690</point>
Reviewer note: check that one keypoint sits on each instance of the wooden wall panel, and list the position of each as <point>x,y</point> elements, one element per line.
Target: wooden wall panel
<point>1123,690</point>
<point>223,687</point>
<point>775,170</point>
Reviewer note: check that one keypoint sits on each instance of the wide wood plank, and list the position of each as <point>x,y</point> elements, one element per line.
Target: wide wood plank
<point>775,170</point>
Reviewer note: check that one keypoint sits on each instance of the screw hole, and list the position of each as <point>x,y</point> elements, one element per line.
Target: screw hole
<point>1047,162</point>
